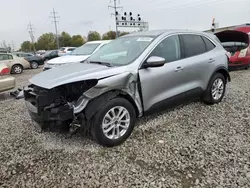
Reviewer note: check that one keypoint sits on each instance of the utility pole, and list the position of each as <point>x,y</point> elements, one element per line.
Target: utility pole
<point>31,32</point>
<point>55,21</point>
<point>13,46</point>
<point>115,7</point>
<point>215,25</point>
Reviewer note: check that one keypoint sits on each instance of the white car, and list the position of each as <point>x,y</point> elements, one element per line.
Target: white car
<point>65,50</point>
<point>78,55</point>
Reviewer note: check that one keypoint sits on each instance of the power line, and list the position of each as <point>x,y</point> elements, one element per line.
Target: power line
<point>115,7</point>
<point>194,4</point>
<point>31,32</point>
<point>55,21</point>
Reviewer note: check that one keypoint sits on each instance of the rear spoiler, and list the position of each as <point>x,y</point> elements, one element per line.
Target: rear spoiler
<point>233,40</point>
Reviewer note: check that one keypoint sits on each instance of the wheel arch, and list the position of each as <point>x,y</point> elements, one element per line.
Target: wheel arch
<point>97,102</point>
<point>15,65</point>
<point>224,72</point>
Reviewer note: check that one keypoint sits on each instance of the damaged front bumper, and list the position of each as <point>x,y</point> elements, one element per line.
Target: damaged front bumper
<point>44,106</point>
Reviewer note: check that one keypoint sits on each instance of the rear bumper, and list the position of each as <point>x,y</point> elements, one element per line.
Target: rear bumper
<point>41,109</point>
<point>239,62</point>
<point>7,83</point>
<point>236,65</point>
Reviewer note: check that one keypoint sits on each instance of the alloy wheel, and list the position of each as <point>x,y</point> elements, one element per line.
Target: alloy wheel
<point>116,122</point>
<point>217,89</point>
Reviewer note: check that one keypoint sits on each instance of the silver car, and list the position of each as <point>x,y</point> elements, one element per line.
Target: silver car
<point>128,78</point>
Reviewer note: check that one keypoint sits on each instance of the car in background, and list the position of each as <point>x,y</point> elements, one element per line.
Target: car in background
<point>51,54</point>
<point>14,63</point>
<point>65,50</point>
<point>34,60</point>
<point>40,52</point>
<point>132,76</point>
<point>79,54</point>
<point>241,58</point>
<point>3,50</point>
<point>7,82</point>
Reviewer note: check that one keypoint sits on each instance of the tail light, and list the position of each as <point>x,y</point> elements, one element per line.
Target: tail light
<point>5,71</point>
<point>243,53</point>
<point>228,54</point>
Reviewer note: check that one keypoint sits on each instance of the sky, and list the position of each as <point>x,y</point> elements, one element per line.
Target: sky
<point>81,16</point>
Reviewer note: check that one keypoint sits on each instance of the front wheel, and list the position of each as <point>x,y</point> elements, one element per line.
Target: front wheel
<point>114,122</point>
<point>216,89</point>
<point>34,65</point>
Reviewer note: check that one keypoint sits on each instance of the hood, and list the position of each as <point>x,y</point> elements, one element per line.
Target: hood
<point>68,59</point>
<point>72,73</point>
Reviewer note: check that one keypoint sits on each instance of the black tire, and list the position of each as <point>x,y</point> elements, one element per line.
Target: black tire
<point>17,69</point>
<point>208,98</point>
<point>34,65</point>
<point>96,122</point>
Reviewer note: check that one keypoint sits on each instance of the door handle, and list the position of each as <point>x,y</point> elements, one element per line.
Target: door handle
<point>178,69</point>
<point>211,60</point>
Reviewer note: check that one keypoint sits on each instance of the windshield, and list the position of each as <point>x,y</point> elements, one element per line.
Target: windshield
<point>122,51</point>
<point>86,49</point>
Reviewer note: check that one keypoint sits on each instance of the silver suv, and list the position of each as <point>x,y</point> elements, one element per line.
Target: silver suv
<point>128,78</point>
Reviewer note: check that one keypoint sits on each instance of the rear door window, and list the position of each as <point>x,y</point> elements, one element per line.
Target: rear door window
<point>209,45</point>
<point>5,57</point>
<point>193,45</point>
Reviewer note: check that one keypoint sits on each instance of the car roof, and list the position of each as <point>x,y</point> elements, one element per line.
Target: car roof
<point>155,33</point>
<point>99,41</point>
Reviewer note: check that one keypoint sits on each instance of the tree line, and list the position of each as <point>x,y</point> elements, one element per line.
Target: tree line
<point>47,41</point>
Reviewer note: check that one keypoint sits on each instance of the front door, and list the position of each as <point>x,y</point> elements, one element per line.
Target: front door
<point>161,83</point>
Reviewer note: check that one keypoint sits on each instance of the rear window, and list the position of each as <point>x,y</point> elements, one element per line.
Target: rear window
<point>193,45</point>
<point>62,49</point>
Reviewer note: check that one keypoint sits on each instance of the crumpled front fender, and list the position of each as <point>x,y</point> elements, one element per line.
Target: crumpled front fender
<point>127,83</point>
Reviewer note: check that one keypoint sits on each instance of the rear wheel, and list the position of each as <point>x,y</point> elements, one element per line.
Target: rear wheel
<point>17,69</point>
<point>34,65</point>
<point>216,89</point>
<point>114,122</point>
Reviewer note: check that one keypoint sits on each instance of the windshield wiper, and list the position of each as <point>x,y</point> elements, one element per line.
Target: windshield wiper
<point>101,63</point>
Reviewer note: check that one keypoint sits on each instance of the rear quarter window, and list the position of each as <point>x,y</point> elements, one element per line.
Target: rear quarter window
<point>209,45</point>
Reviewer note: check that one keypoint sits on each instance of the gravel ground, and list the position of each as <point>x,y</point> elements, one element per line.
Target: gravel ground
<point>191,146</point>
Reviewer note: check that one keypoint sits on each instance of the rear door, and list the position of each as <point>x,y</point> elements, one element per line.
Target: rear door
<point>7,59</point>
<point>199,59</point>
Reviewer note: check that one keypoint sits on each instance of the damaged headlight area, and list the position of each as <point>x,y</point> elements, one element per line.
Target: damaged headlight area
<point>46,105</point>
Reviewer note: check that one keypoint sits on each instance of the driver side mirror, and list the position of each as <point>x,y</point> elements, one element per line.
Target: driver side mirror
<point>154,61</point>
